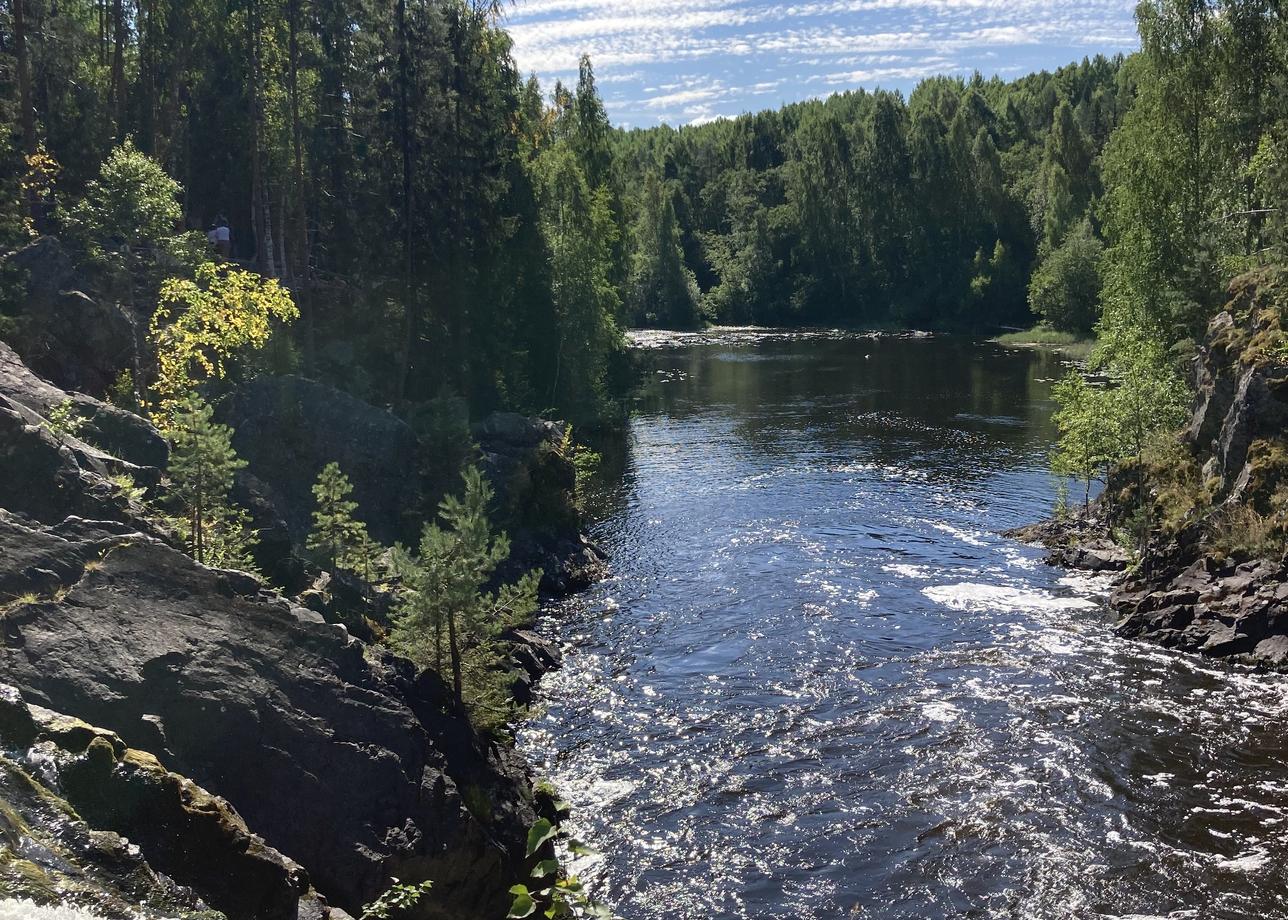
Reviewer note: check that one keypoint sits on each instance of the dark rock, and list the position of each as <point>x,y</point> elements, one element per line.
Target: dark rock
<point>288,428</point>
<point>116,431</point>
<point>274,551</point>
<point>340,597</point>
<point>183,831</point>
<point>48,479</point>
<point>531,657</point>
<point>338,754</point>
<point>64,335</point>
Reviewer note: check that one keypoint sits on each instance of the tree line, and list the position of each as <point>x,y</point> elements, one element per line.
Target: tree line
<point>865,208</point>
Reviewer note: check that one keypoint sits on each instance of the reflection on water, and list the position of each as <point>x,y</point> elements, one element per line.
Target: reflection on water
<point>819,685</point>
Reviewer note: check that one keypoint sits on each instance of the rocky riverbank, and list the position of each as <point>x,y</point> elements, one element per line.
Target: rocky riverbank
<point>175,737</point>
<point>1213,575</point>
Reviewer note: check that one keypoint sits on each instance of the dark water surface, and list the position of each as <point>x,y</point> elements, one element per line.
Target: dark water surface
<point>818,684</point>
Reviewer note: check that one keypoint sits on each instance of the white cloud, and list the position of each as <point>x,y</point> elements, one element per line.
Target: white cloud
<point>745,49</point>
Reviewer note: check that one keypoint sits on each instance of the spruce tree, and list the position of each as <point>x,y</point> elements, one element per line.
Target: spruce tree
<point>202,466</point>
<point>340,540</point>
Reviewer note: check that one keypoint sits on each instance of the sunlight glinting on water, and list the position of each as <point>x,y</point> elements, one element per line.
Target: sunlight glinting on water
<point>819,682</point>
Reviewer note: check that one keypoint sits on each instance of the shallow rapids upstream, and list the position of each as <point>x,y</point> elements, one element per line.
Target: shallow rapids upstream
<point>819,685</point>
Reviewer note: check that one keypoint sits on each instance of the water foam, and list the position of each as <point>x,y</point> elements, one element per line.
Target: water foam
<point>974,596</point>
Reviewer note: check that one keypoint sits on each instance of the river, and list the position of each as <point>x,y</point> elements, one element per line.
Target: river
<point>819,684</point>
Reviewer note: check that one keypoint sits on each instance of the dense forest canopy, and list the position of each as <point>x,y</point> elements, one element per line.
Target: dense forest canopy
<point>452,231</point>
<point>865,208</point>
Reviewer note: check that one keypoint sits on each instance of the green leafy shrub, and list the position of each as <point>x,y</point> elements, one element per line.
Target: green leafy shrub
<point>1065,287</point>
<point>550,892</point>
<point>64,421</point>
<point>397,902</point>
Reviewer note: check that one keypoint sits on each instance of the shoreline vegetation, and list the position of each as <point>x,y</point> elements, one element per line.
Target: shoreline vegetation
<point>1071,344</point>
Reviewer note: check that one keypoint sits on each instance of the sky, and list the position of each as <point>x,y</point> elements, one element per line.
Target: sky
<point>690,61</point>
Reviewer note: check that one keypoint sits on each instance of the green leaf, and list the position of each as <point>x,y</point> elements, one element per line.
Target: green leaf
<point>546,867</point>
<point>577,848</point>
<point>523,905</point>
<point>542,831</point>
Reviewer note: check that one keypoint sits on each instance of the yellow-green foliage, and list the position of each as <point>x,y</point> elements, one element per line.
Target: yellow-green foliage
<point>1259,305</point>
<point>201,324</point>
<point>1176,481</point>
<point>1267,475</point>
<point>64,421</point>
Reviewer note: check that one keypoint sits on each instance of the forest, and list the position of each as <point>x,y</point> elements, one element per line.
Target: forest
<point>450,230</point>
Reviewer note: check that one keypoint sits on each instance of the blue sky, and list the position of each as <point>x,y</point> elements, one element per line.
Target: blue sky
<point>689,61</point>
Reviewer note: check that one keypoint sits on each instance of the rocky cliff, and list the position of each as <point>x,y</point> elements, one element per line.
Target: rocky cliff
<point>1213,578</point>
<point>259,760</point>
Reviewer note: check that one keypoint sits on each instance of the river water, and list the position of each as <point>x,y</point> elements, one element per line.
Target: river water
<point>819,685</point>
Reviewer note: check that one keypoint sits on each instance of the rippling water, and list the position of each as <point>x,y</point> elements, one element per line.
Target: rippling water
<point>819,685</point>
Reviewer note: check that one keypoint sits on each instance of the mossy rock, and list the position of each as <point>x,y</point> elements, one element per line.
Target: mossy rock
<point>1267,474</point>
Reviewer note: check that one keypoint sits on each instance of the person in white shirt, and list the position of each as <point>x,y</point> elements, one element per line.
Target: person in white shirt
<point>223,238</point>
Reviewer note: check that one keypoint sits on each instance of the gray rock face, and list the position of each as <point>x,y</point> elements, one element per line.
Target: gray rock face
<point>339,754</point>
<point>65,335</point>
<point>288,428</point>
<point>1241,394</point>
<point>125,797</point>
<point>118,432</point>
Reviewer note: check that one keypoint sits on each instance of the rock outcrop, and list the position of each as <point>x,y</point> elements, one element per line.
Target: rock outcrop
<point>139,836</point>
<point>1203,584</point>
<point>116,431</point>
<point>65,335</point>
<point>227,710</point>
<point>1218,609</point>
<point>49,477</point>
<point>1241,379</point>
<point>338,753</point>
<point>536,498</point>
<point>289,428</point>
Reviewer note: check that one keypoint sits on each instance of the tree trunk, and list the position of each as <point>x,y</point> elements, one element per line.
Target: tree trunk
<point>27,115</point>
<point>455,650</point>
<point>259,216</point>
<point>300,266</point>
<point>411,310</point>
<point>118,67</point>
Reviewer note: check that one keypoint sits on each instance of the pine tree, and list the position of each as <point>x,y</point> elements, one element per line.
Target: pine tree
<point>443,607</point>
<point>337,537</point>
<point>202,466</point>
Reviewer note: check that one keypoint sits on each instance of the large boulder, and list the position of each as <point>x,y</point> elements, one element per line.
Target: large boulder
<point>338,754</point>
<point>64,334</point>
<point>288,428</point>
<point>116,431</point>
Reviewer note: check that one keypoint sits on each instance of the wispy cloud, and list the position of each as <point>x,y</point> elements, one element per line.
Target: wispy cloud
<point>683,61</point>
